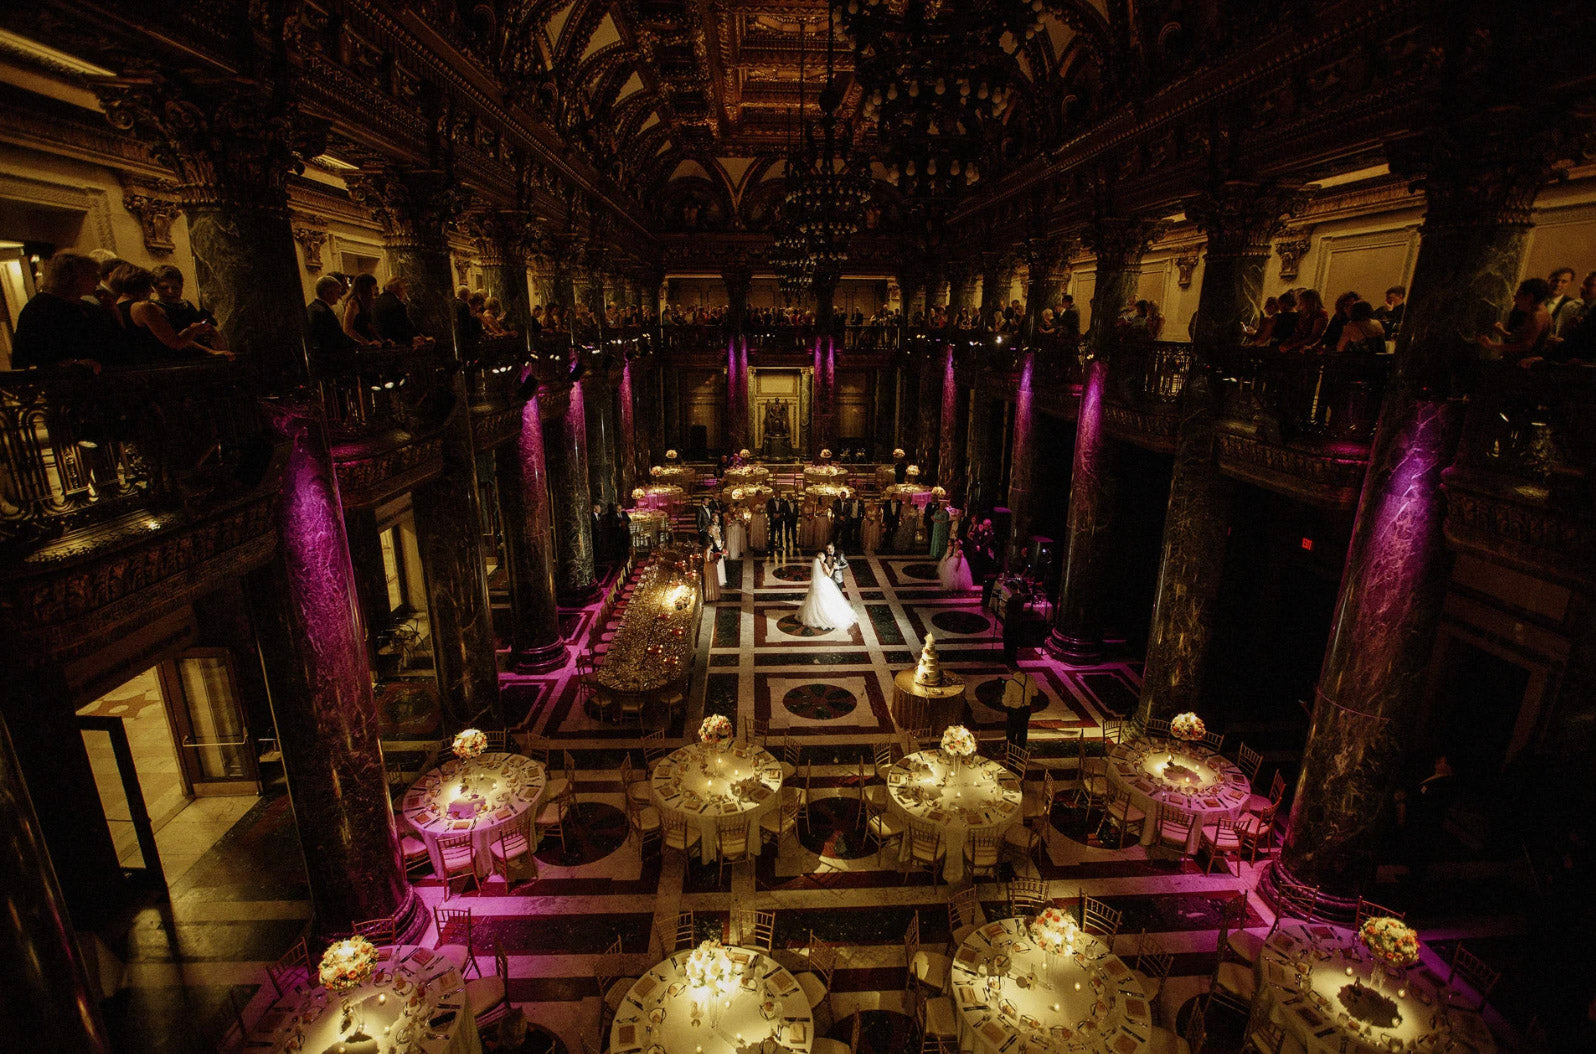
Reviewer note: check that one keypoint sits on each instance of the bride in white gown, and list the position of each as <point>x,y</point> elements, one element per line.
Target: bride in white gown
<point>824,606</point>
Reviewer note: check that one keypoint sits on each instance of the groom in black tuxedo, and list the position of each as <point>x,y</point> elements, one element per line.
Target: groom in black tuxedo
<point>839,563</point>
<point>891,516</point>
<point>789,518</point>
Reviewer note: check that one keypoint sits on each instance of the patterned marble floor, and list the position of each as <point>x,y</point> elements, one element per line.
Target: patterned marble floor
<point>829,693</point>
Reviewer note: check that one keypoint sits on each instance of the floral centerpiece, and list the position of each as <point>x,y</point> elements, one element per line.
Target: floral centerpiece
<point>898,454</point>
<point>957,742</point>
<point>708,967</point>
<point>716,730</point>
<point>638,493</point>
<point>670,455</point>
<point>1053,930</point>
<point>469,744</point>
<point>346,964</point>
<point>1187,726</point>
<point>744,454</point>
<point>912,470</point>
<point>939,493</point>
<point>825,454</point>
<point>656,471</point>
<point>1390,940</point>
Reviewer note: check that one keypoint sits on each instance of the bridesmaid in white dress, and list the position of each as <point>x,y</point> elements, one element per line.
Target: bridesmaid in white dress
<point>758,531</point>
<point>953,570</point>
<point>870,533</point>
<point>736,532</point>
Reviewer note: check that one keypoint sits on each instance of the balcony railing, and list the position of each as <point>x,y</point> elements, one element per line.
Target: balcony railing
<point>387,388</point>
<point>711,337</point>
<point>1534,431</point>
<point>78,448</point>
<point>1305,398</point>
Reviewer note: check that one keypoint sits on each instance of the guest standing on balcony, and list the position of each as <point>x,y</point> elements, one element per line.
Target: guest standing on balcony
<point>1562,309</point>
<point>151,338</point>
<point>1280,326</point>
<point>1528,326</point>
<point>331,349</point>
<point>1390,313</point>
<point>468,322</point>
<point>1331,341</point>
<point>1312,319</point>
<point>182,313</point>
<point>392,316</point>
<point>1069,320</point>
<point>1577,344</point>
<point>63,325</point>
<point>359,310</point>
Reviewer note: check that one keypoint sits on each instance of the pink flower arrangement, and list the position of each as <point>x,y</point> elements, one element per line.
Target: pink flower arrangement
<point>346,964</point>
<point>469,744</point>
<point>1187,726</point>
<point>716,729</point>
<point>1390,940</point>
<point>1053,930</point>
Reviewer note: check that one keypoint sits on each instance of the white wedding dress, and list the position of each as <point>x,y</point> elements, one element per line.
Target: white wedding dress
<point>953,570</point>
<point>824,606</point>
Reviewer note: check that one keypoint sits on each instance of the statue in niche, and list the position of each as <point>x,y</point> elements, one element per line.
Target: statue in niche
<point>777,425</point>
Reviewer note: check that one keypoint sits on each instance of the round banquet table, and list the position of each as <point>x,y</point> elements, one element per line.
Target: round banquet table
<point>910,494</point>
<point>702,784</point>
<point>1100,1005</point>
<point>662,496</point>
<point>678,475</point>
<point>743,475</point>
<point>1155,771</point>
<point>657,1015</point>
<point>414,1001</point>
<point>650,527</point>
<point>971,795</point>
<point>501,788</point>
<point>927,705</point>
<point>833,474</point>
<point>1303,987</point>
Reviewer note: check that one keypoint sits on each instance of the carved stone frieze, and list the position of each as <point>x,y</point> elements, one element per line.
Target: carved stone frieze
<point>1185,267</point>
<point>367,476</point>
<point>311,234</point>
<point>155,205</point>
<point>231,144</point>
<point>1151,429</point>
<point>413,206</point>
<point>1536,538</point>
<point>73,596</point>
<point>1242,217</point>
<point>1331,478</point>
<point>1118,240</point>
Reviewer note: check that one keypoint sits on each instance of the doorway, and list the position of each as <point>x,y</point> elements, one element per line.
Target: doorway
<point>173,761</point>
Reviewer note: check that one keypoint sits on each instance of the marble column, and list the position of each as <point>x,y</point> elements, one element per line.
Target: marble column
<point>983,451</point>
<point>371,577</point>
<point>47,985</point>
<point>626,432</point>
<point>737,423</point>
<point>997,275</point>
<point>413,207</point>
<point>565,452</point>
<point>1077,633</point>
<point>1479,193</point>
<point>500,239</point>
<point>312,643</point>
<point>948,424</point>
<point>1240,219</point>
<point>535,640</point>
<point>233,146</point>
<point>599,402</point>
<point>1021,465</point>
<point>927,433</point>
<point>1042,256</point>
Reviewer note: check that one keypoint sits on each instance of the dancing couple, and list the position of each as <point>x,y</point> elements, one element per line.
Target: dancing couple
<point>825,606</point>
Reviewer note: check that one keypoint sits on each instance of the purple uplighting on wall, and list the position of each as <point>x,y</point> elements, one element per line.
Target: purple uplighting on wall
<point>316,550</point>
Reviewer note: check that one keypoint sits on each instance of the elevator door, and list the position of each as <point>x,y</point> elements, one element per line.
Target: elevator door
<point>215,751</point>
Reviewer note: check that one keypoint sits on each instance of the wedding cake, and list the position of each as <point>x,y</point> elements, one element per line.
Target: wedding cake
<point>929,669</point>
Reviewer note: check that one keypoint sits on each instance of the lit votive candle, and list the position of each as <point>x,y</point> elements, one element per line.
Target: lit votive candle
<point>1348,971</point>
<point>1402,993</point>
<point>1077,986</point>
<point>1055,1008</point>
<point>382,999</point>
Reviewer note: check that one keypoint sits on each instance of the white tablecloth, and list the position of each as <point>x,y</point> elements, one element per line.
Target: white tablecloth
<point>704,784</point>
<point>657,1015</point>
<point>413,1002</point>
<point>1303,985</point>
<point>500,789</point>
<point>1099,1005</point>
<point>1185,775</point>
<point>957,797</point>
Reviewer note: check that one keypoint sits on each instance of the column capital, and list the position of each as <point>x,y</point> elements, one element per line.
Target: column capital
<point>231,144</point>
<point>1118,241</point>
<point>502,237</point>
<point>1242,217</point>
<point>413,206</point>
<point>1475,173</point>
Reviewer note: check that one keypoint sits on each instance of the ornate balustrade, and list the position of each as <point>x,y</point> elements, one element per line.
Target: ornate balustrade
<point>386,389</point>
<point>1522,488</point>
<point>1305,398</point>
<point>77,448</point>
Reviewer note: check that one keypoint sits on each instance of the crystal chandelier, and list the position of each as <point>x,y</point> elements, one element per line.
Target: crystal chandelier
<point>827,187</point>
<point>937,78</point>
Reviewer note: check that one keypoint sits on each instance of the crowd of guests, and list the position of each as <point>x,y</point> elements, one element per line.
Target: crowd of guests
<point>1296,321</point>
<point>109,312</point>
<point>1547,324</point>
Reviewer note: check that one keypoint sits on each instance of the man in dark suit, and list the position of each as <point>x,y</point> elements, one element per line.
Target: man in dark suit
<point>1068,322</point>
<point>853,518</point>
<point>891,516</point>
<point>701,520</point>
<point>391,315</point>
<point>772,522</point>
<point>789,517</point>
<point>331,349</point>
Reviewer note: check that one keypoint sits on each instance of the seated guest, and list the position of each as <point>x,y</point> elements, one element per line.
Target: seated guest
<point>331,349</point>
<point>1529,324</point>
<point>182,313</point>
<point>359,310</point>
<point>392,316</point>
<point>63,325</point>
<point>150,336</point>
